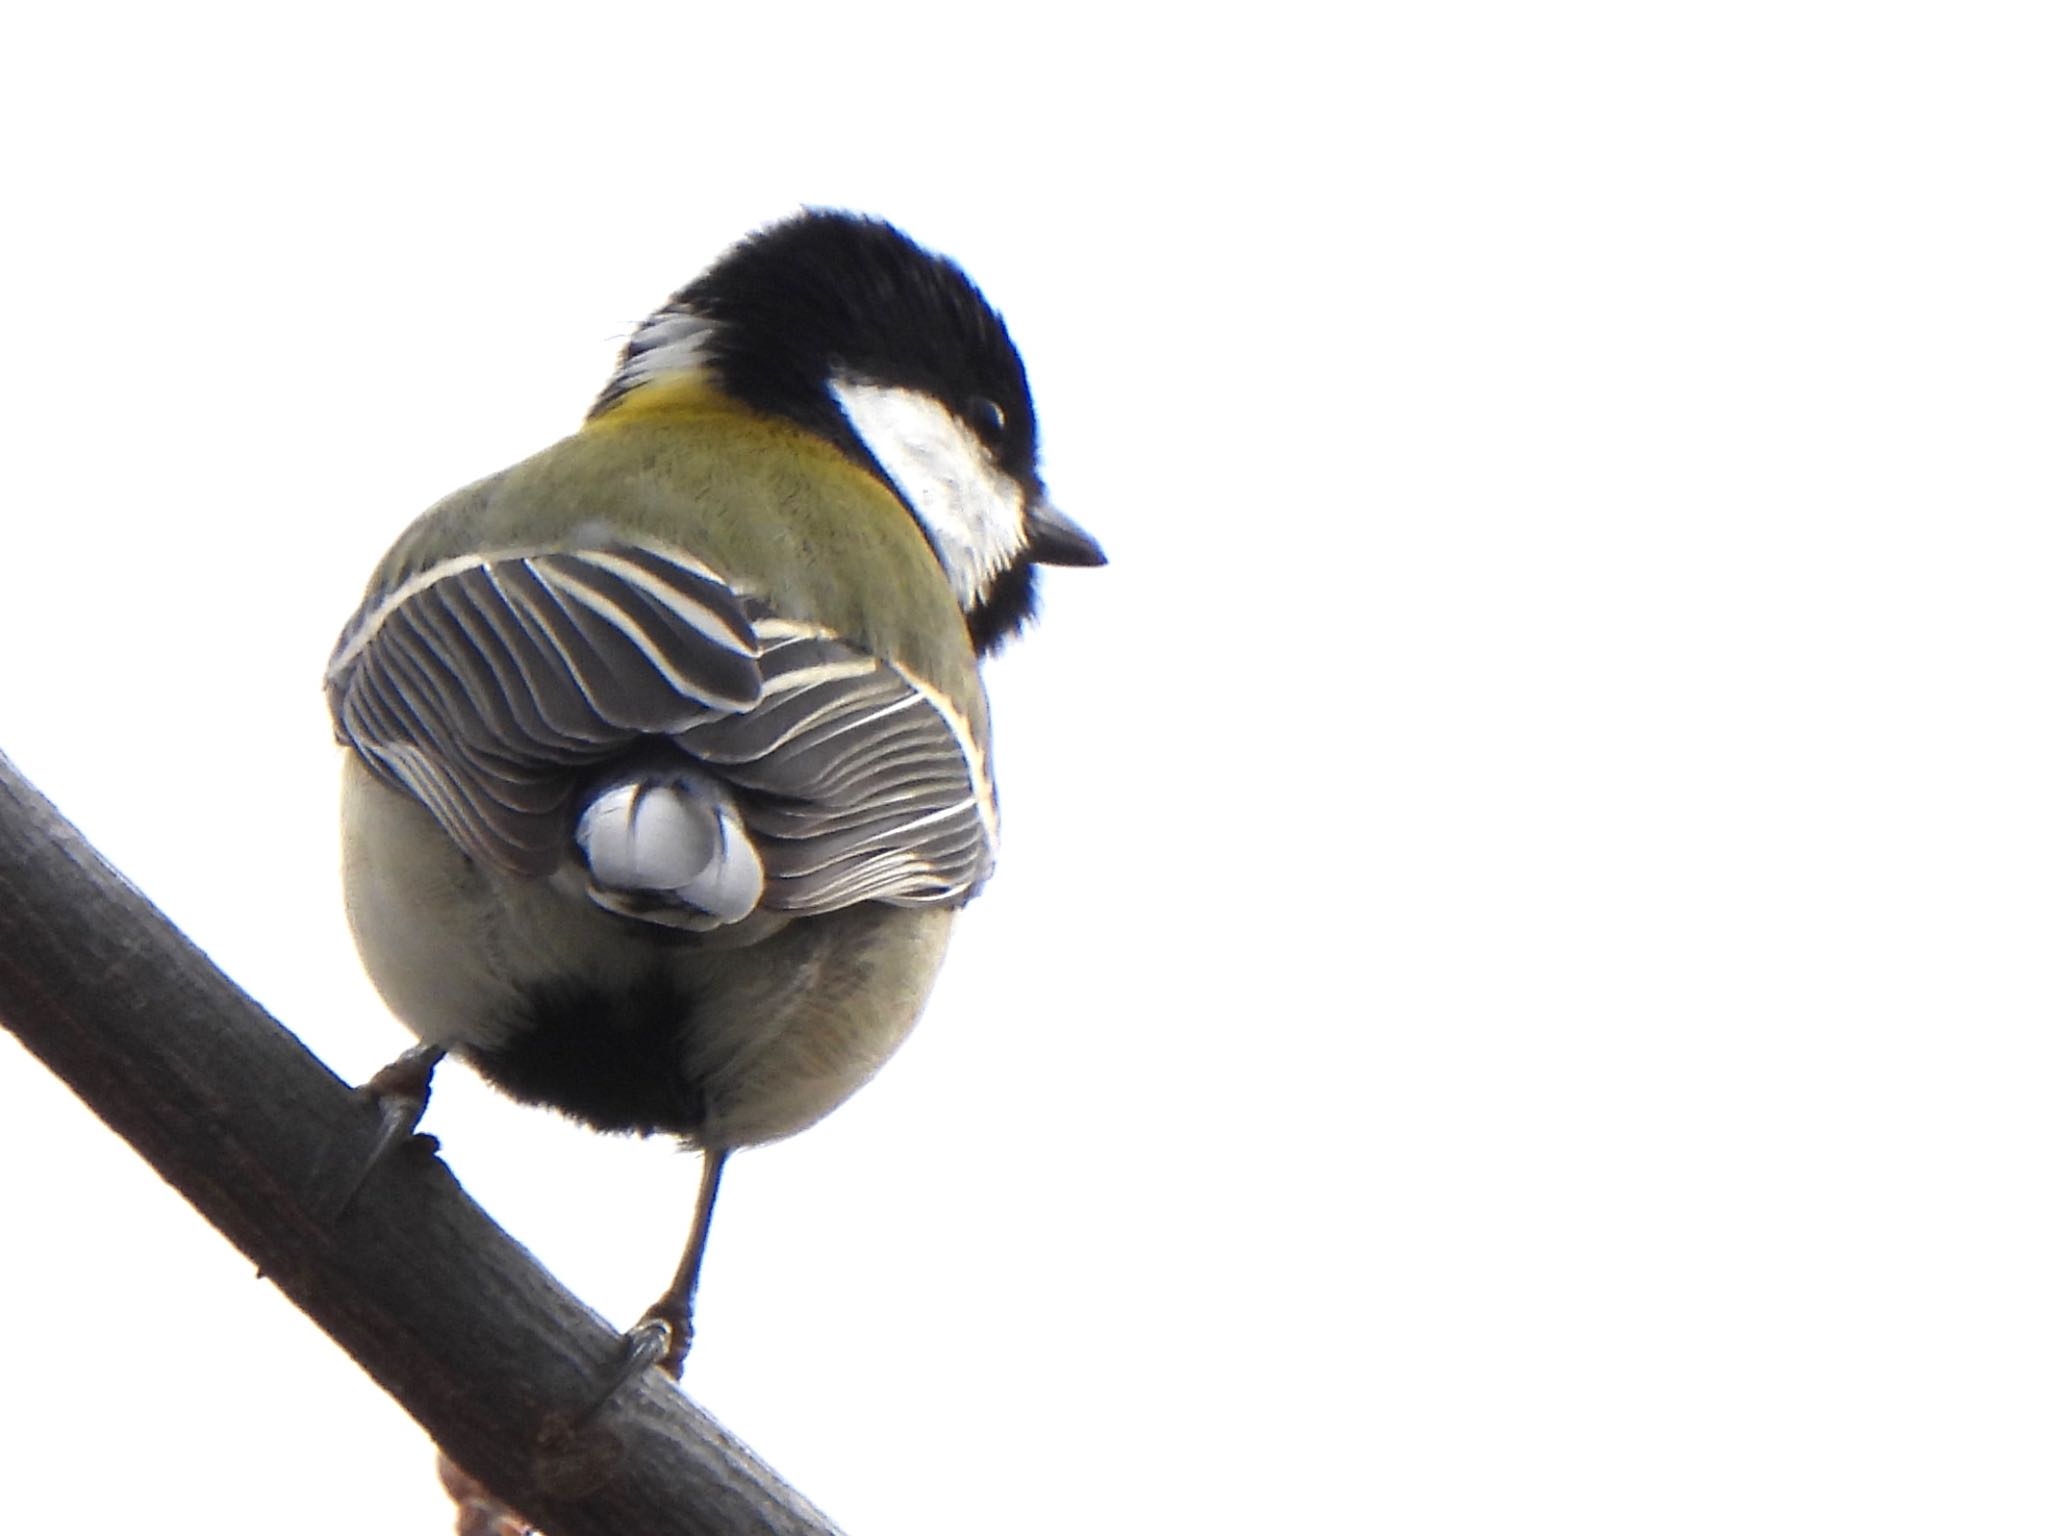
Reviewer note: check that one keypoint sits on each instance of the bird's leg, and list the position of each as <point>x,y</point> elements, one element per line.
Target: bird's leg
<point>400,1091</point>
<point>662,1337</point>
<point>677,1305</point>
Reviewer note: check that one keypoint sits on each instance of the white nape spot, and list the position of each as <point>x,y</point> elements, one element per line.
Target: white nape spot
<point>668,342</point>
<point>972,512</point>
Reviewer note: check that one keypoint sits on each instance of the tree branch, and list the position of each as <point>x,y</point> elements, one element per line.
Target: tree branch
<point>476,1341</point>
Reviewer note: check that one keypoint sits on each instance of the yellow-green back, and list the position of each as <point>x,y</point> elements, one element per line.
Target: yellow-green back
<point>776,512</point>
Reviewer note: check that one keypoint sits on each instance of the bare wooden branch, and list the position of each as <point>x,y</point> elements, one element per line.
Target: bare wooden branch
<point>479,1343</point>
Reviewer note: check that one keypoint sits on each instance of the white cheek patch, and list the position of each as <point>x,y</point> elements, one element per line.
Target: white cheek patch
<point>972,512</point>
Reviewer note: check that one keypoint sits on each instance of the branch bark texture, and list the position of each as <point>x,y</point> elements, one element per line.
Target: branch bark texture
<point>478,1343</point>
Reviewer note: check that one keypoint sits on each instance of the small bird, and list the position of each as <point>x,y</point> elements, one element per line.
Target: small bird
<point>668,755</point>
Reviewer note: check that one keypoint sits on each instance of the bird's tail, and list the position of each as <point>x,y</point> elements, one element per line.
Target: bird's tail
<point>665,842</point>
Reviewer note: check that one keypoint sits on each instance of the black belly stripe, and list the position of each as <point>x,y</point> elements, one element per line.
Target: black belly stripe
<point>611,1059</point>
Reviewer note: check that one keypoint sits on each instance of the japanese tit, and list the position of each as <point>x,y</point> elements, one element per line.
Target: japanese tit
<point>668,756</point>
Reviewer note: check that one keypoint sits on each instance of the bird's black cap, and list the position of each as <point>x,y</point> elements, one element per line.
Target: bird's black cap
<point>829,295</point>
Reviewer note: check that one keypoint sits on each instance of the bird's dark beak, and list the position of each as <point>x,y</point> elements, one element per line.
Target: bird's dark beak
<point>1055,539</point>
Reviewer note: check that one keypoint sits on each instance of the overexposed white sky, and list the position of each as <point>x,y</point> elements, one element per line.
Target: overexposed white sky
<point>1513,997</point>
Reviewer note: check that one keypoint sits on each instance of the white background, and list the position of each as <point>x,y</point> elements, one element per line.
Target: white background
<point>1513,1000</point>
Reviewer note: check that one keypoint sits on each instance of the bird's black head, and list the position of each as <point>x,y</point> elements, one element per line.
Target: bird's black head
<point>845,327</point>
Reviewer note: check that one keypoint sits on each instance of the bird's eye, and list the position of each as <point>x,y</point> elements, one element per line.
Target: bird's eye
<point>986,417</point>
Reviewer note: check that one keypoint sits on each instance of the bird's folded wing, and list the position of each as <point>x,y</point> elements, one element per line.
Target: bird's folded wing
<point>862,783</point>
<point>489,688</point>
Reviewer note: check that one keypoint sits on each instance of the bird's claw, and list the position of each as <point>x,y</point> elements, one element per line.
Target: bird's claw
<point>649,1342</point>
<point>400,1092</point>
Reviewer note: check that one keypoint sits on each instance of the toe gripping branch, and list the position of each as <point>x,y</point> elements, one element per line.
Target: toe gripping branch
<point>400,1091</point>
<point>663,1336</point>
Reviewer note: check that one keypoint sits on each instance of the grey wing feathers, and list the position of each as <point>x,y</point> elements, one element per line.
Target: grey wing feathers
<point>492,689</point>
<point>866,785</point>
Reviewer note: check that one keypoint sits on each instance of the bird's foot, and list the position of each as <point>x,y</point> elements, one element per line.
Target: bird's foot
<point>400,1091</point>
<point>652,1343</point>
<point>477,1510</point>
<point>664,1334</point>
